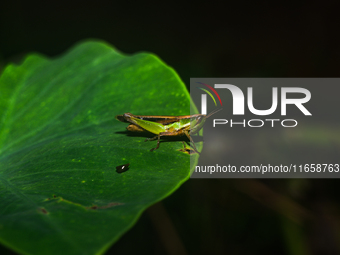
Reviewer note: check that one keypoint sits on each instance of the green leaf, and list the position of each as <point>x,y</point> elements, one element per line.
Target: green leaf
<point>60,145</point>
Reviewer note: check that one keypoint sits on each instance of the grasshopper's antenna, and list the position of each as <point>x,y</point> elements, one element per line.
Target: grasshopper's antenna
<point>213,112</point>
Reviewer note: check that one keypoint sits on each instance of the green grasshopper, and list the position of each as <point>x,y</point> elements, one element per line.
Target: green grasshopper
<point>166,125</point>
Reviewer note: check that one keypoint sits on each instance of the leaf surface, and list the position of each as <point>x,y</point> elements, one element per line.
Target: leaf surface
<point>60,145</point>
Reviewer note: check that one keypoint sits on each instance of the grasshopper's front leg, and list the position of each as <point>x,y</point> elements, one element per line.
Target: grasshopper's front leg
<point>192,141</point>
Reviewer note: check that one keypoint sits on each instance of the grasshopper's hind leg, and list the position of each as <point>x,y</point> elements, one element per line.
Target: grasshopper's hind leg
<point>158,137</point>
<point>151,139</point>
<point>154,138</point>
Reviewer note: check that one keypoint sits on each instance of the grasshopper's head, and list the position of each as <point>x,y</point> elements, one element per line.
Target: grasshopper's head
<point>197,121</point>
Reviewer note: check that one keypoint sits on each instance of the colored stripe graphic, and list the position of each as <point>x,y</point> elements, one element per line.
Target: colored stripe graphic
<point>213,90</point>
<point>209,94</point>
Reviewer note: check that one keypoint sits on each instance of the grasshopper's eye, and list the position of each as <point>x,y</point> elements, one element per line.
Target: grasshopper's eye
<point>196,119</point>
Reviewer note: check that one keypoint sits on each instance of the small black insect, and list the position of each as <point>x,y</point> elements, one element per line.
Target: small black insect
<point>122,168</point>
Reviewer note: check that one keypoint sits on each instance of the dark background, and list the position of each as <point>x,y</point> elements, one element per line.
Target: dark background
<point>233,39</point>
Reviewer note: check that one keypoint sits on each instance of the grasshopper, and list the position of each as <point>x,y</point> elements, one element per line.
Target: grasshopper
<point>166,125</point>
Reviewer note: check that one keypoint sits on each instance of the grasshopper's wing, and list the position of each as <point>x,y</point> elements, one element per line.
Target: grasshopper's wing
<point>121,118</point>
<point>165,120</point>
